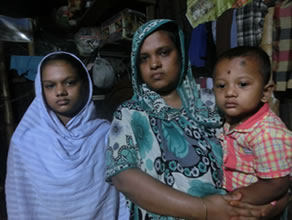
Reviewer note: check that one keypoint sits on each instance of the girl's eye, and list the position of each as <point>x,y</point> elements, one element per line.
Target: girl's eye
<point>48,86</point>
<point>70,83</point>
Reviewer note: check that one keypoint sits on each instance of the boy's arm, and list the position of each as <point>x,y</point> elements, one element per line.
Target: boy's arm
<point>265,190</point>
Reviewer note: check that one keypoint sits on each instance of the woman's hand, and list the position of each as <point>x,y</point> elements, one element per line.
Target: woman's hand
<point>264,212</point>
<point>219,208</point>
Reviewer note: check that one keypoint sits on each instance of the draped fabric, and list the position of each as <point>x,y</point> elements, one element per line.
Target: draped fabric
<point>178,147</point>
<point>57,172</point>
<point>250,23</point>
<point>282,45</point>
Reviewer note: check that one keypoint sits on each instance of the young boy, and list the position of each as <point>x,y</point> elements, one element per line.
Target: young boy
<point>256,143</point>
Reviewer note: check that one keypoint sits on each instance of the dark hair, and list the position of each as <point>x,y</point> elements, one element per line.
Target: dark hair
<point>76,64</point>
<point>248,51</point>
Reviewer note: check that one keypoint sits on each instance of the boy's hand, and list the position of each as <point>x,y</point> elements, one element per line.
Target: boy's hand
<point>267,211</point>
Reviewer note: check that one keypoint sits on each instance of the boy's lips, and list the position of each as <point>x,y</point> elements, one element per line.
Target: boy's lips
<point>230,104</point>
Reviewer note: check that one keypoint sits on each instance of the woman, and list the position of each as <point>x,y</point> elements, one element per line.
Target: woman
<point>56,157</point>
<point>163,153</point>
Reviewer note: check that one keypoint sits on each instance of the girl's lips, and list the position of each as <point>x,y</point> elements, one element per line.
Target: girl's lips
<point>63,102</point>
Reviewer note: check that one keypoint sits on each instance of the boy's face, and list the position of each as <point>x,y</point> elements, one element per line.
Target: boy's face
<point>63,89</point>
<point>238,87</point>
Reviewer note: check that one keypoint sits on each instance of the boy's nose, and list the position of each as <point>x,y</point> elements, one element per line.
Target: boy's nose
<point>230,91</point>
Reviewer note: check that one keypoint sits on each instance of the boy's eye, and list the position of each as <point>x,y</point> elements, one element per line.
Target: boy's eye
<point>243,84</point>
<point>220,85</point>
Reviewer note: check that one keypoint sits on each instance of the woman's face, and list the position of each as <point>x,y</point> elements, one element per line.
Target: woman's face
<point>64,91</point>
<point>159,63</point>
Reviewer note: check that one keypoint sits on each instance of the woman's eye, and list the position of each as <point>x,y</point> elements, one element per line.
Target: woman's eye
<point>143,59</point>
<point>164,52</point>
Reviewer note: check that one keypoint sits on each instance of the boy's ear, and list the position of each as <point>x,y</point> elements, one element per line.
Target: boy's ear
<point>268,91</point>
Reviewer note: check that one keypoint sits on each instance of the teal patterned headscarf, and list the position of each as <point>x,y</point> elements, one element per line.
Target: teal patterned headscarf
<point>151,101</point>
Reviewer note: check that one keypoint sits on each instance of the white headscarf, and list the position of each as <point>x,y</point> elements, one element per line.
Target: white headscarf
<point>57,172</point>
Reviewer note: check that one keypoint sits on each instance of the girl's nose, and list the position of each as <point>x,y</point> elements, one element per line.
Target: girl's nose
<point>61,90</point>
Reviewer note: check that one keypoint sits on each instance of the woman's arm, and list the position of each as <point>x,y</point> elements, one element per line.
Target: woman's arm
<point>159,198</point>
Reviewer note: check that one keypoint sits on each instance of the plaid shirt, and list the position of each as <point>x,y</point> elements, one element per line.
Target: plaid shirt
<point>259,147</point>
<point>250,23</point>
<point>282,45</point>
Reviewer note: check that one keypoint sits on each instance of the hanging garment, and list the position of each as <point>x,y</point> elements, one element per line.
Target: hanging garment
<point>250,23</point>
<point>233,32</point>
<point>199,12</point>
<point>198,46</point>
<point>25,65</point>
<point>223,31</point>
<point>282,45</point>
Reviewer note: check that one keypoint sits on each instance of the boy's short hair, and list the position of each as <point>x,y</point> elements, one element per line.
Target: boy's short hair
<point>248,51</point>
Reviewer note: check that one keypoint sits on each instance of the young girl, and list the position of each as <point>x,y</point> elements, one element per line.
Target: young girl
<point>257,145</point>
<point>57,153</point>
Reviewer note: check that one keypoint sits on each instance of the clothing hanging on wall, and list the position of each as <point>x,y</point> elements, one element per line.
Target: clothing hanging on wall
<point>223,30</point>
<point>250,23</point>
<point>282,45</point>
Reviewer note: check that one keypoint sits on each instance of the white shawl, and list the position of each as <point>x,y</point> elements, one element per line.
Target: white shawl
<point>57,172</point>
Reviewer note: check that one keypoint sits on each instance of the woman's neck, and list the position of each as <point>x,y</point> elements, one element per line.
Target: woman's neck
<point>173,99</point>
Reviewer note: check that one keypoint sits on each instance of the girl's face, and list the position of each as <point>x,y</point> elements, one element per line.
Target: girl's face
<point>159,63</point>
<point>239,88</point>
<point>64,91</point>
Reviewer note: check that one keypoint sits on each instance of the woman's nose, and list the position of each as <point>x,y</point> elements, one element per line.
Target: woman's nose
<point>155,63</point>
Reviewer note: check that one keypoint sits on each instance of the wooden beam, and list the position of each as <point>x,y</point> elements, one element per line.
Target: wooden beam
<point>8,115</point>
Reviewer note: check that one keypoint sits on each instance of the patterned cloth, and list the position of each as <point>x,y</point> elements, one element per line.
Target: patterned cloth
<point>199,11</point>
<point>282,45</point>
<point>250,23</point>
<point>175,146</point>
<point>57,172</point>
<point>259,147</point>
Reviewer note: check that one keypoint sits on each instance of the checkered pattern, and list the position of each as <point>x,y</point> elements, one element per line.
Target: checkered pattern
<point>250,23</point>
<point>259,147</point>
